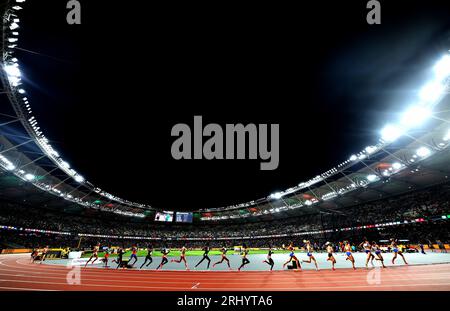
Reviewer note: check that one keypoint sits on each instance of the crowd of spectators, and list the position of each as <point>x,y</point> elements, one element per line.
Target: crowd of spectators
<point>429,203</point>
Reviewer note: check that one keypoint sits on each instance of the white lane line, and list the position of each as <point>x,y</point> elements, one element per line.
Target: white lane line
<point>195,286</point>
<point>264,289</point>
<point>212,281</point>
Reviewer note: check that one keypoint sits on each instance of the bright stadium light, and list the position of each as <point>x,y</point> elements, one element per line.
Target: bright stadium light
<point>447,136</point>
<point>10,167</point>
<point>276,195</point>
<point>423,152</point>
<point>442,67</point>
<point>13,26</point>
<point>372,178</point>
<point>12,70</point>
<point>29,177</point>
<point>396,166</point>
<point>370,149</point>
<point>79,178</point>
<point>353,157</point>
<point>390,133</point>
<point>431,92</point>
<point>415,116</point>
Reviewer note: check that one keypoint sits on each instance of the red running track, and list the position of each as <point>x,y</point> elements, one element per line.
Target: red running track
<point>17,273</point>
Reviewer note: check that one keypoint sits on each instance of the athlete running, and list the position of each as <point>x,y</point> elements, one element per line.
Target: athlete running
<point>148,257</point>
<point>396,251</point>
<point>182,257</point>
<point>34,254</point>
<point>269,259</point>
<point>224,257</point>
<point>309,250</point>
<point>44,254</point>
<point>244,254</point>
<point>119,259</point>
<point>348,252</point>
<point>134,250</point>
<point>164,260</point>
<point>377,251</point>
<point>206,250</point>
<point>368,250</point>
<point>94,254</point>
<point>330,255</point>
<point>106,258</point>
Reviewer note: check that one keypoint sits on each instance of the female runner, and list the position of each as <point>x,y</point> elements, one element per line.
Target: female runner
<point>224,257</point>
<point>292,257</point>
<point>348,252</point>
<point>309,250</point>
<point>330,255</point>
<point>396,251</point>
<point>244,257</point>
<point>377,251</point>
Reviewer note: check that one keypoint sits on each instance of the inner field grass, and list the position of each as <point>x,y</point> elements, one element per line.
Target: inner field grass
<point>176,253</point>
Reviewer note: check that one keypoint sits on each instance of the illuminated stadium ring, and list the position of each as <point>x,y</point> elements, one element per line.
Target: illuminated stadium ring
<point>428,97</point>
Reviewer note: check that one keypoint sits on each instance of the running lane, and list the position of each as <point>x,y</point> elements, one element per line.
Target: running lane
<point>17,273</point>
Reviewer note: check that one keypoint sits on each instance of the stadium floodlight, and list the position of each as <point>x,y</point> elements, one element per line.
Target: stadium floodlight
<point>396,166</point>
<point>442,67</point>
<point>353,157</point>
<point>12,70</point>
<point>21,91</point>
<point>15,81</point>
<point>12,40</point>
<point>65,164</point>
<point>391,132</point>
<point>13,26</point>
<point>431,92</point>
<point>415,116</point>
<point>29,177</point>
<point>79,178</point>
<point>276,195</point>
<point>10,167</point>
<point>447,136</point>
<point>423,152</point>
<point>372,177</point>
<point>370,149</point>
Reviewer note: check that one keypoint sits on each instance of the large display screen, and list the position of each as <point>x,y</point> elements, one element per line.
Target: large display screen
<point>184,217</point>
<point>164,216</point>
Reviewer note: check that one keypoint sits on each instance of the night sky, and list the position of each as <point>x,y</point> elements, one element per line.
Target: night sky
<point>107,92</point>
